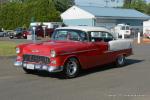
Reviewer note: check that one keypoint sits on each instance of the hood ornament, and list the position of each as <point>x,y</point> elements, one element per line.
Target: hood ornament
<point>35,51</point>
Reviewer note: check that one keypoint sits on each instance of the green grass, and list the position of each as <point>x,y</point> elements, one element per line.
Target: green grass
<point>7,48</point>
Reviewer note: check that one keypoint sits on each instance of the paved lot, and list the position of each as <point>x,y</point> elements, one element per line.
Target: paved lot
<point>131,82</point>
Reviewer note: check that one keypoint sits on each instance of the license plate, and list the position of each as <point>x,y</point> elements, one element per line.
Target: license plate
<point>30,66</point>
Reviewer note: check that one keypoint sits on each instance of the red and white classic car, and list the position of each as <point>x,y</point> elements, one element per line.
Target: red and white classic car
<point>72,49</point>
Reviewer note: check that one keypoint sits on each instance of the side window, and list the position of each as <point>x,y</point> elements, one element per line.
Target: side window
<point>73,36</point>
<point>83,36</point>
<point>107,36</point>
<point>61,35</point>
<point>123,27</point>
<point>96,36</point>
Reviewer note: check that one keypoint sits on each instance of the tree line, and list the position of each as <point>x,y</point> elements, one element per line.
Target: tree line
<point>20,13</point>
<point>140,5</point>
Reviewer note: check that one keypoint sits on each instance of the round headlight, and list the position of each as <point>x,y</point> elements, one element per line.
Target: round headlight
<point>17,50</point>
<point>52,53</point>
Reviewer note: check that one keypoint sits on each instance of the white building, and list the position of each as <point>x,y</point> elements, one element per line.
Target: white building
<point>104,17</point>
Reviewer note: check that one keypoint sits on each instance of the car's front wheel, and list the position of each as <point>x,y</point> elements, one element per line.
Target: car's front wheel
<point>11,37</point>
<point>71,68</point>
<point>120,61</point>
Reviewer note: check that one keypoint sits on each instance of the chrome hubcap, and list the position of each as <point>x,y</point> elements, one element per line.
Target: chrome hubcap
<point>71,67</point>
<point>120,60</point>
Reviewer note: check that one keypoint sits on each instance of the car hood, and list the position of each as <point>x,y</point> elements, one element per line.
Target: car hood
<point>43,48</point>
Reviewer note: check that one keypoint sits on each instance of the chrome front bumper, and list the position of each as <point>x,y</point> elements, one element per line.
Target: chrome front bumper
<point>40,67</point>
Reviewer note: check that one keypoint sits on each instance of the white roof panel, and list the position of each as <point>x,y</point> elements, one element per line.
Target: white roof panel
<point>86,28</point>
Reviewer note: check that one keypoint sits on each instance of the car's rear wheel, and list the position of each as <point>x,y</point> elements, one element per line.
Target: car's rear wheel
<point>29,71</point>
<point>71,68</point>
<point>120,61</point>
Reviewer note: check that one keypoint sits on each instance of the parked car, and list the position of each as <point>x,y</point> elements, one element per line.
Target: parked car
<point>39,31</point>
<point>18,33</point>
<point>72,49</point>
<point>3,33</point>
<point>122,29</point>
<point>26,33</point>
<point>147,35</point>
<point>10,31</point>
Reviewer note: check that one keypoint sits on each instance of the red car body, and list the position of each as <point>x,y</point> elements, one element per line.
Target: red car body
<point>25,33</point>
<point>53,55</point>
<point>39,31</point>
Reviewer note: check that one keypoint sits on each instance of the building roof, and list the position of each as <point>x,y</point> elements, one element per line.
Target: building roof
<point>85,28</point>
<point>114,12</point>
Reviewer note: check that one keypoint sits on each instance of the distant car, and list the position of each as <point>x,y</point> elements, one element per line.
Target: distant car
<point>147,35</point>
<point>18,33</point>
<point>72,49</point>
<point>26,33</point>
<point>3,33</point>
<point>122,29</point>
<point>39,31</point>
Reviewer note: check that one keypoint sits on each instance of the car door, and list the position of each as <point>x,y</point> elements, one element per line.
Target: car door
<point>98,57</point>
<point>109,55</point>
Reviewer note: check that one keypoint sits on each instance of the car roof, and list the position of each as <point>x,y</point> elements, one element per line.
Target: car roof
<point>85,28</point>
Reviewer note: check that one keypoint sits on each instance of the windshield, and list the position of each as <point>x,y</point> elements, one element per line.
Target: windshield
<point>125,28</point>
<point>67,34</point>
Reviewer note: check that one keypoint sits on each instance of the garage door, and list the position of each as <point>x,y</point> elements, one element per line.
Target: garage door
<point>107,25</point>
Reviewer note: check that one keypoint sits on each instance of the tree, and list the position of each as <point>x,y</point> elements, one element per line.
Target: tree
<point>147,10</point>
<point>127,3</point>
<point>139,5</point>
<point>19,13</point>
<point>62,5</point>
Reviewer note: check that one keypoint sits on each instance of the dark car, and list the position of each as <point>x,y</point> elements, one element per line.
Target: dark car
<point>18,33</point>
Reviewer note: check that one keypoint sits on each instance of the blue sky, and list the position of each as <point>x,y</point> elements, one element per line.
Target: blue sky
<point>100,3</point>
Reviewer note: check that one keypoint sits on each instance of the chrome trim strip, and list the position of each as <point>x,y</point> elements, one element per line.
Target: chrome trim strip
<point>108,51</point>
<point>78,52</point>
<point>17,63</point>
<point>49,68</point>
<point>37,55</point>
<point>115,50</point>
<point>47,59</point>
<point>53,69</point>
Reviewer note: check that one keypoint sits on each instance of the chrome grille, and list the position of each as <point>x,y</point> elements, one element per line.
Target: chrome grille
<point>36,58</point>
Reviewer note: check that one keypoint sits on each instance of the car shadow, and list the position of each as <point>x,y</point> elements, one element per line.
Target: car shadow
<point>47,74</point>
<point>108,67</point>
<point>88,71</point>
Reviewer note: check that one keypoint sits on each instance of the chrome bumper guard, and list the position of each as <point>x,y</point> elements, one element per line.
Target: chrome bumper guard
<point>39,67</point>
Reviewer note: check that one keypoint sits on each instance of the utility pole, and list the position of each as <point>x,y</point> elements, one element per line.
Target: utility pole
<point>117,3</point>
<point>106,1</point>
